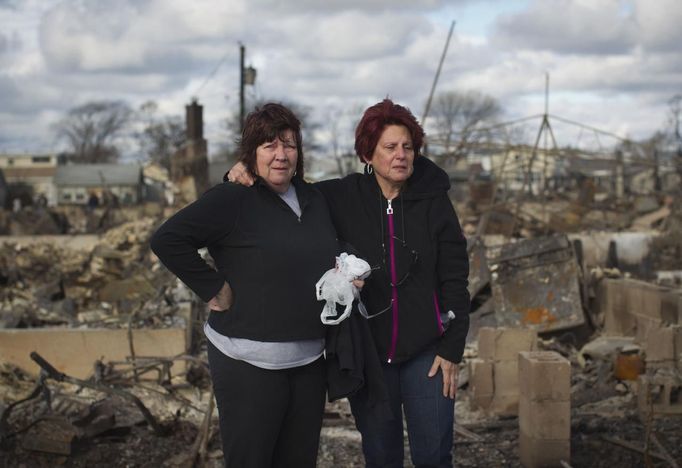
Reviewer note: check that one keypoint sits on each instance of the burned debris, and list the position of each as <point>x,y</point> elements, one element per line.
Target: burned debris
<point>574,356</point>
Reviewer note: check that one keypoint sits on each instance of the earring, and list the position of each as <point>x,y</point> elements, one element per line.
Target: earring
<point>369,170</point>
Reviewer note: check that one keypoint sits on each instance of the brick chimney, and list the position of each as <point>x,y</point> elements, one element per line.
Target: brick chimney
<point>189,165</point>
<point>195,120</point>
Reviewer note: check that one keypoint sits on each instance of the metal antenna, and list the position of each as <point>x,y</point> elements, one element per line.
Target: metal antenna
<point>435,79</point>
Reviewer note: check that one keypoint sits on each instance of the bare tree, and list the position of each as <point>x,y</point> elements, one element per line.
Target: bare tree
<point>675,110</point>
<point>459,117</point>
<point>91,130</point>
<point>160,138</point>
<point>341,126</point>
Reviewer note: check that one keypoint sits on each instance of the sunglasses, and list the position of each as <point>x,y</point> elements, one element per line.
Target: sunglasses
<point>405,261</point>
<point>363,310</point>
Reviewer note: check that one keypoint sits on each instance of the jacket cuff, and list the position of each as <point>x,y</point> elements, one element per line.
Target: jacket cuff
<point>453,341</point>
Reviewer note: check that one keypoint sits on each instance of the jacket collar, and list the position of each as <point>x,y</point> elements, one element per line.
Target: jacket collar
<point>427,181</point>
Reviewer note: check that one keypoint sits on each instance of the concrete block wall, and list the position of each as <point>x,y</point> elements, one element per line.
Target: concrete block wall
<point>75,350</point>
<point>613,305</point>
<point>481,385</point>
<point>494,375</point>
<point>664,347</point>
<point>544,409</point>
<point>624,301</point>
<point>659,395</point>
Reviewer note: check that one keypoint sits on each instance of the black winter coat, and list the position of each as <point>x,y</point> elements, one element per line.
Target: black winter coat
<point>269,256</point>
<point>431,261</point>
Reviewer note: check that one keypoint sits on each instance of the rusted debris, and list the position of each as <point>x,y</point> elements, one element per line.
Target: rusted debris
<point>628,366</point>
<point>535,284</point>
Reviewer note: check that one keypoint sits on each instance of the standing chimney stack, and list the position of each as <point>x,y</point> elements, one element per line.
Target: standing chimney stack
<point>195,121</point>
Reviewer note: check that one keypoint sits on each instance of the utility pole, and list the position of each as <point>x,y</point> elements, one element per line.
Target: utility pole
<point>241,87</point>
<point>247,76</point>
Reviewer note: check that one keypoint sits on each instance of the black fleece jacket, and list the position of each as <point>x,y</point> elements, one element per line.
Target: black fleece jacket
<point>435,279</point>
<point>269,256</point>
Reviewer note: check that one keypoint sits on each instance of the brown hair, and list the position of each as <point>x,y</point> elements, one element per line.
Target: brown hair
<point>376,118</point>
<point>267,123</point>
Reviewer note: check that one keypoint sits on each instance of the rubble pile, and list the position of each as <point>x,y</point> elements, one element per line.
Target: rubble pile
<point>54,422</point>
<point>45,284</point>
<point>72,219</point>
<point>584,282</point>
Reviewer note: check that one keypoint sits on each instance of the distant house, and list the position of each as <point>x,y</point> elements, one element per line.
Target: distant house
<point>117,183</point>
<point>513,168</point>
<point>29,176</point>
<point>603,172</point>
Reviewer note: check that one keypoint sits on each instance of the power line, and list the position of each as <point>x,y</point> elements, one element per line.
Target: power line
<point>213,72</point>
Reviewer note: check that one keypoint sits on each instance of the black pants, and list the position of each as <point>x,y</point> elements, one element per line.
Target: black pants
<point>268,418</point>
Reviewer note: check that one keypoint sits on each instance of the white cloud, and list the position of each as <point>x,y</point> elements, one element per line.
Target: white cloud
<point>660,24</point>
<point>568,26</point>
<point>129,36</point>
<point>338,54</point>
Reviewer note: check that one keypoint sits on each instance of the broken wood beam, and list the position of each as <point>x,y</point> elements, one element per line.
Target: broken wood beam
<point>633,447</point>
<point>53,373</point>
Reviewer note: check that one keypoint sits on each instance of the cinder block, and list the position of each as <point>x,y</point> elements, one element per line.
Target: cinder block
<point>611,302</point>
<point>544,375</point>
<point>481,383</point>
<point>535,453</point>
<point>663,345</point>
<point>643,326</point>
<point>651,300</point>
<point>643,299</point>
<point>505,400</point>
<point>506,377</point>
<point>671,307</point>
<point>545,419</point>
<point>504,405</point>
<point>659,396</point>
<point>486,343</point>
<point>501,344</point>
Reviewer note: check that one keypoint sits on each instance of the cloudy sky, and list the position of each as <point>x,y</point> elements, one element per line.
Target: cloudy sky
<point>613,64</point>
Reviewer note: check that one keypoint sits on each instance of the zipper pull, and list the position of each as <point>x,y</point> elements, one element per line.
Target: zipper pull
<point>389,210</point>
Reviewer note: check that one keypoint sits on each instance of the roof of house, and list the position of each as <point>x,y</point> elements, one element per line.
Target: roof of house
<point>600,167</point>
<point>95,175</point>
<point>29,172</point>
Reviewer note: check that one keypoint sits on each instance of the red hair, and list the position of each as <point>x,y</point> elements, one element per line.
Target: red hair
<point>378,117</point>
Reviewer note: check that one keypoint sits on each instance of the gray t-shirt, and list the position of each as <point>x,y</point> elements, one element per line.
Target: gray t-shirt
<point>269,355</point>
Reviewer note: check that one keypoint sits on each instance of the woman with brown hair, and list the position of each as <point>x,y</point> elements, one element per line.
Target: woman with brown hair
<point>270,243</point>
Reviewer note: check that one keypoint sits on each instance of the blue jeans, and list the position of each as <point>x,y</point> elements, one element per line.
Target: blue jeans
<point>429,416</point>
